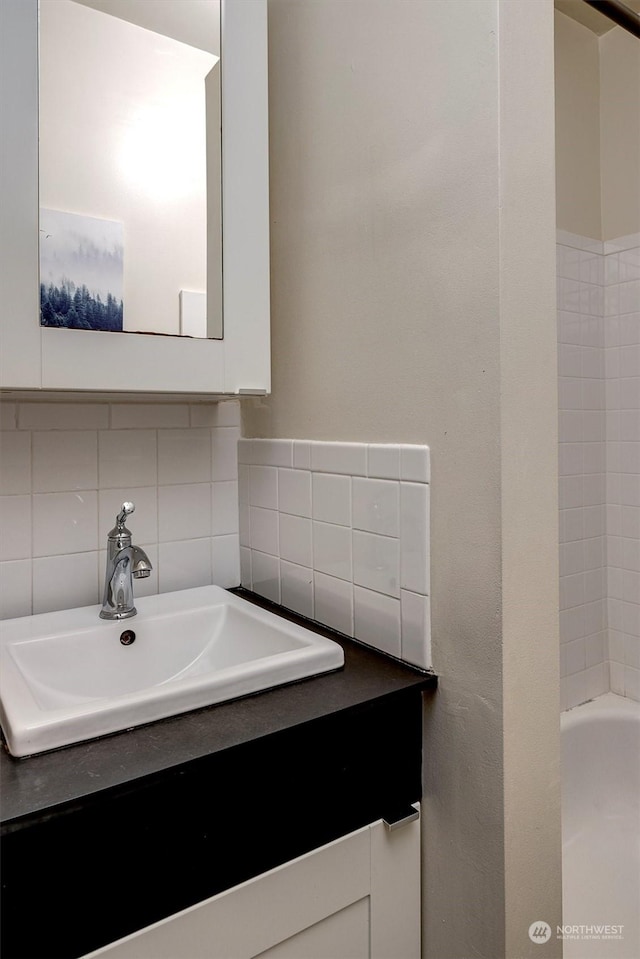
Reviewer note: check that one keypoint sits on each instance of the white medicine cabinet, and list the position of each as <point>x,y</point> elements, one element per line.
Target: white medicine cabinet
<point>37,357</point>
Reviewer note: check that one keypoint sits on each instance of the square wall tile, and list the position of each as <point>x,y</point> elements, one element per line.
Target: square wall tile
<point>416,629</point>
<point>65,523</point>
<point>223,413</point>
<point>265,575</point>
<point>127,458</point>
<point>297,588</point>
<point>295,539</point>
<point>225,561</point>
<point>347,458</point>
<point>15,588</point>
<point>184,456</point>
<point>140,416</point>
<point>15,462</point>
<point>376,506</point>
<point>302,455</point>
<point>331,498</point>
<point>414,537</point>
<point>224,451</point>
<point>376,562</point>
<point>15,527</point>
<point>377,620</point>
<point>183,565</point>
<point>294,492</point>
<point>383,461</point>
<point>224,510</point>
<point>62,582</point>
<point>65,460</point>
<point>332,550</point>
<point>415,464</point>
<point>8,415</point>
<point>263,486</point>
<point>264,529</point>
<point>184,512</point>
<point>333,603</point>
<point>245,567</point>
<point>63,416</point>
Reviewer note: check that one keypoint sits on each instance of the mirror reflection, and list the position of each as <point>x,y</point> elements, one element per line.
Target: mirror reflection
<point>130,161</point>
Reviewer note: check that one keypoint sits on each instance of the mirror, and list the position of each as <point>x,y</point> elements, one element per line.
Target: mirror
<point>130,166</point>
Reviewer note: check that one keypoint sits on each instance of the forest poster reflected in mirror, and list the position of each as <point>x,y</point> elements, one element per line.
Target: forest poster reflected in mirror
<point>130,185</point>
<point>81,272</point>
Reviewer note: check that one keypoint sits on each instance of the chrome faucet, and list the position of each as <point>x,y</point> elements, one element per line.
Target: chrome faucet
<point>124,564</point>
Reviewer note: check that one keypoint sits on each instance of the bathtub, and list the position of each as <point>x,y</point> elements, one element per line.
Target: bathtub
<point>601,829</point>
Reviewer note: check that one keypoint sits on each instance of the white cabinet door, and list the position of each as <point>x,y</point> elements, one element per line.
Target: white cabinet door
<point>32,357</point>
<point>356,898</point>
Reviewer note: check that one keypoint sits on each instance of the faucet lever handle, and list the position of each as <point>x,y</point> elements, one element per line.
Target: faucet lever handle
<point>127,508</point>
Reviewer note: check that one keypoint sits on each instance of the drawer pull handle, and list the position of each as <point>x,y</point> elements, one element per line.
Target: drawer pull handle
<point>409,814</point>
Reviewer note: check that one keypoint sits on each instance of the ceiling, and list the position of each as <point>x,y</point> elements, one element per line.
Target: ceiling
<point>588,16</point>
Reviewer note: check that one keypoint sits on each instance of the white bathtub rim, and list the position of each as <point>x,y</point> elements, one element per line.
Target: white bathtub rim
<point>609,705</point>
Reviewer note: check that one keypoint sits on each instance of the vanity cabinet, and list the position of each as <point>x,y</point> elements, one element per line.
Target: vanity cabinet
<point>33,357</point>
<point>355,898</point>
<point>248,828</point>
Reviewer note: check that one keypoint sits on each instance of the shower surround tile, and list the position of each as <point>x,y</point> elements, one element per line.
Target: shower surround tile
<point>599,432</point>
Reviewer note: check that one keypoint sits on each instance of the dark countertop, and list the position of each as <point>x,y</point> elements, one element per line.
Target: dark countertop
<point>39,785</point>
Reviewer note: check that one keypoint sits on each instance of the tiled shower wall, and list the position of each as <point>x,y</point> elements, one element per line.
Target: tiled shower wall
<point>599,403</point>
<point>65,469</point>
<point>622,372</point>
<point>339,532</point>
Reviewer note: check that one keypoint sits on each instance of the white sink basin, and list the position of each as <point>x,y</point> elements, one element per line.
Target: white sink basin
<point>66,676</point>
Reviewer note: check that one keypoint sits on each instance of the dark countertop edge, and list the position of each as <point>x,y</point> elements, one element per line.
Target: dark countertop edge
<point>56,782</point>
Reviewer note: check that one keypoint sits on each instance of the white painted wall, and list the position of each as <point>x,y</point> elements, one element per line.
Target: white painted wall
<point>577,72</point>
<point>122,137</point>
<point>620,133</point>
<point>413,237</point>
<point>597,131</point>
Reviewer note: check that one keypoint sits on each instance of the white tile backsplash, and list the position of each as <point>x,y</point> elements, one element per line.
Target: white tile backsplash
<point>66,468</point>
<point>127,458</point>
<point>225,560</point>
<point>184,512</point>
<point>333,603</point>
<point>265,575</point>
<point>376,506</point>
<point>61,582</point>
<point>297,588</point>
<point>377,617</point>
<point>64,460</point>
<point>295,539</point>
<point>332,553</point>
<point>345,520</point>
<point>263,524</point>
<point>224,449</point>
<point>184,456</point>
<point>331,498</point>
<point>184,564</point>
<point>15,462</point>
<point>294,492</point>
<point>65,522</point>
<point>15,588</point>
<point>263,486</point>
<point>376,562</point>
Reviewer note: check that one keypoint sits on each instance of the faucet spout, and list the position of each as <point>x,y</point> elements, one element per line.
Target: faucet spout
<point>125,563</point>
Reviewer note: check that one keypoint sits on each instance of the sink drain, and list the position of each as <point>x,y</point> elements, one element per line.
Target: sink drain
<point>127,637</point>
